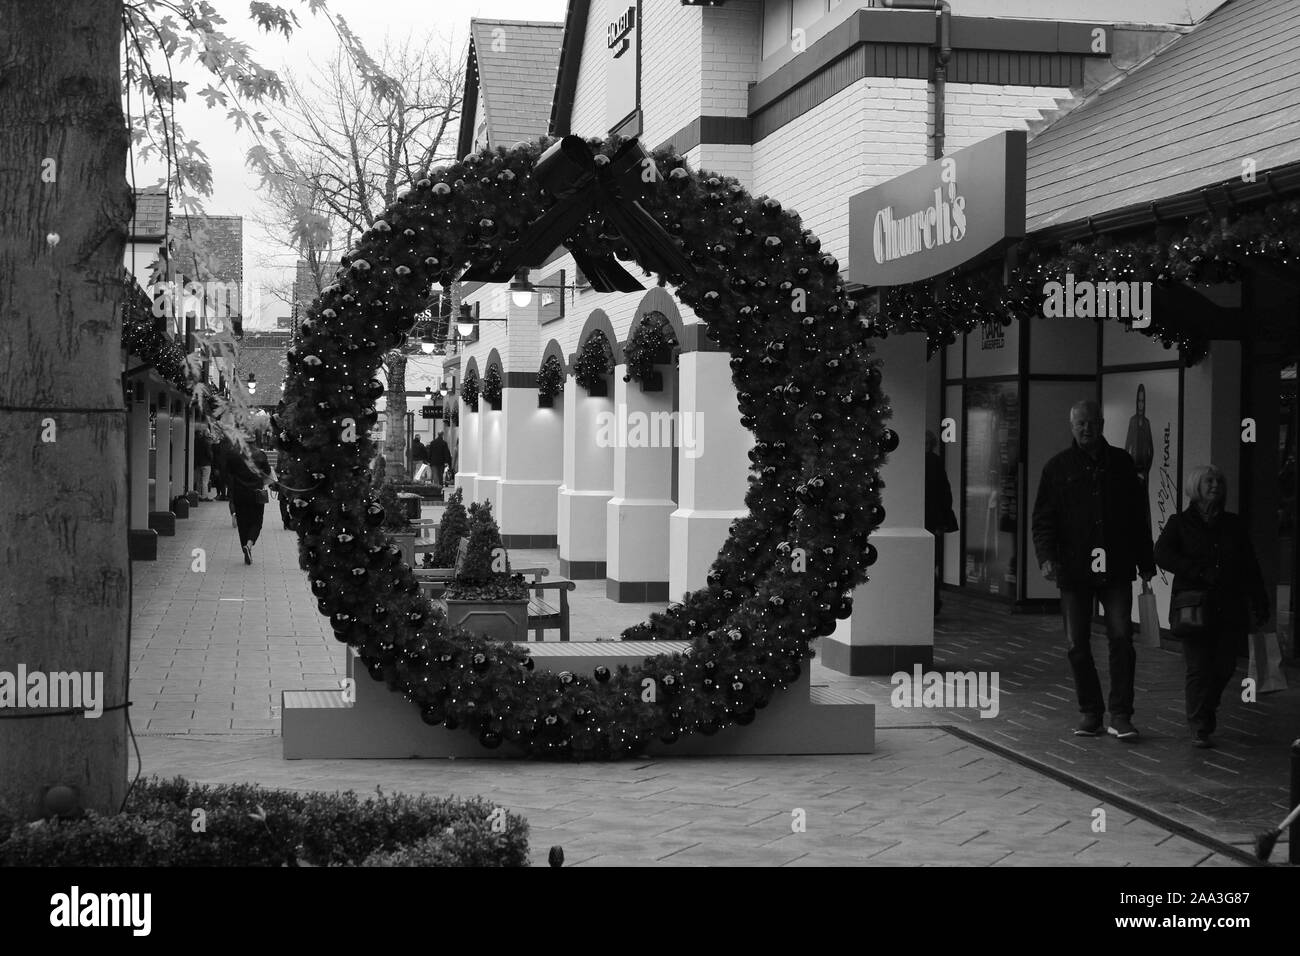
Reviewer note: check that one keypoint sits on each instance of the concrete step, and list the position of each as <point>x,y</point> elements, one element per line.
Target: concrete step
<point>367,720</point>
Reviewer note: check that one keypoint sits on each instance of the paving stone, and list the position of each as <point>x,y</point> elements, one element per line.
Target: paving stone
<point>207,672</point>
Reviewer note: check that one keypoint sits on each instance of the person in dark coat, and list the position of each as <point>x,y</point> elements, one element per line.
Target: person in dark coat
<point>220,452</point>
<point>248,480</point>
<point>1090,535</point>
<point>939,516</point>
<point>202,464</point>
<point>1208,549</point>
<point>439,458</point>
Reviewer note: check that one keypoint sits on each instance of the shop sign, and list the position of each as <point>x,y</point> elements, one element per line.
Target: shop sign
<point>943,215</point>
<point>622,65</point>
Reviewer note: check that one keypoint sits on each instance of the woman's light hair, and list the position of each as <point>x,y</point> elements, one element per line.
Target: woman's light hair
<point>1195,482</point>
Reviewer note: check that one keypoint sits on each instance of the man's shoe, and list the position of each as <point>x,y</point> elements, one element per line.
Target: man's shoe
<point>1122,727</point>
<point>1202,741</point>
<point>248,555</point>
<point>1090,726</point>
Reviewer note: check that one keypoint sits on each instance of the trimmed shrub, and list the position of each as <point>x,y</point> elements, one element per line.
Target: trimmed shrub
<point>245,825</point>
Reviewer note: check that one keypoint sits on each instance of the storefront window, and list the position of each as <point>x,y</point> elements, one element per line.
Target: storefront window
<point>992,506</point>
<point>1289,421</point>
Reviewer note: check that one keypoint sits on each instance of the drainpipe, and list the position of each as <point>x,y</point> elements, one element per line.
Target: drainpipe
<point>943,53</point>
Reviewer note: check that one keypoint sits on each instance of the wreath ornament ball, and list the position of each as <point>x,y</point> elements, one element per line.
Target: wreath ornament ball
<point>808,389</point>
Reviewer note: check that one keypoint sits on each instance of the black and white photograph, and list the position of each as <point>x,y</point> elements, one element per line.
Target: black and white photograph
<point>571,434</point>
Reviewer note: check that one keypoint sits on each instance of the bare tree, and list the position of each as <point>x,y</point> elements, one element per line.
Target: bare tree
<point>354,146</point>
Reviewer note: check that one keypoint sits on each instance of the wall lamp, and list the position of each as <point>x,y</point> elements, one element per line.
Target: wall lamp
<point>469,319</point>
<point>521,289</point>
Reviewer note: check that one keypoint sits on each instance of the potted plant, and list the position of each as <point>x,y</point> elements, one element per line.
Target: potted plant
<point>397,521</point>
<point>484,596</point>
<point>437,566</point>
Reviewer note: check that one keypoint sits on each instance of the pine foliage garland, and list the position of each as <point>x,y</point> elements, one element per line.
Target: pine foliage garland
<point>491,392</point>
<point>1208,248</point>
<point>550,378</point>
<point>648,345</point>
<point>469,391</point>
<point>594,362</point>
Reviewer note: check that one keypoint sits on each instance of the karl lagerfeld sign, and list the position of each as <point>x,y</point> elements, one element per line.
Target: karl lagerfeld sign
<point>622,55</point>
<point>940,216</point>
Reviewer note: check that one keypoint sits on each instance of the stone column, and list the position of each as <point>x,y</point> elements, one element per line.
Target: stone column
<point>892,625</point>
<point>142,539</point>
<point>180,458</point>
<point>642,433</point>
<point>161,518</point>
<point>467,459</point>
<point>491,434</point>
<point>532,466</point>
<point>712,467</point>
<point>588,486</point>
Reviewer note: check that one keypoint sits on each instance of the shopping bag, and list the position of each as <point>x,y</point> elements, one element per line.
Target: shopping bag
<point>1148,618</point>
<point>1266,662</point>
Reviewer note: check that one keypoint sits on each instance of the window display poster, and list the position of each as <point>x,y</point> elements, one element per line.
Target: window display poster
<point>992,503</point>
<point>1141,415</point>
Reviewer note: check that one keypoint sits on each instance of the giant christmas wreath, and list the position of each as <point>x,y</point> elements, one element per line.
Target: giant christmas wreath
<point>808,389</point>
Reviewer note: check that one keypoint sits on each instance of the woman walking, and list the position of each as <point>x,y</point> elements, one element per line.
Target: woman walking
<point>1216,571</point>
<point>248,496</point>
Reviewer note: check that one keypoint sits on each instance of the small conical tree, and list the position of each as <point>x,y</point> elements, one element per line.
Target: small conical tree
<point>453,526</point>
<point>484,542</point>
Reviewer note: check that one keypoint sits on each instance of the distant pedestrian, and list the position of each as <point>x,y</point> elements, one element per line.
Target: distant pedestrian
<point>439,458</point>
<point>1090,536</point>
<point>203,464</point>
<point>1213,561</point>
<point>939,516</point>
<point>248,480</point>
<point>220,451</point>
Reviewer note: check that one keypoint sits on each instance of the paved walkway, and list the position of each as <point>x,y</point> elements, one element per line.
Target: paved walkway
<point>212,650</point>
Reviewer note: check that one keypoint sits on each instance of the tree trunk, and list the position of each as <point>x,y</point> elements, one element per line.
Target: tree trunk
<point>395,414</point>
<point>64,572</point>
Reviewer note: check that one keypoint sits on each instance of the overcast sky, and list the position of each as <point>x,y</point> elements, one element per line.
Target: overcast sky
<point>234,186</point>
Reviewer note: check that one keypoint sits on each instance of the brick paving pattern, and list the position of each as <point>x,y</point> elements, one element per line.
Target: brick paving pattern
<point>212,651</point>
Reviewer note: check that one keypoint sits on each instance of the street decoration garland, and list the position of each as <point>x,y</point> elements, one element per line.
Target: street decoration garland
<point>1205,249</point>
<point>469,390</point>
<point>594,361</point>
<point>491,389</point>
<point>650,343</point>
<point>142,338</point>
<point>808,387</point>
<point>550,378</point>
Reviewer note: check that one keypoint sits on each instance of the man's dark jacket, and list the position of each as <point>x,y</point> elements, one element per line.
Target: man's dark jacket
<point>1083,505</point>
<point>1215,556</point>
<point>439,455</point>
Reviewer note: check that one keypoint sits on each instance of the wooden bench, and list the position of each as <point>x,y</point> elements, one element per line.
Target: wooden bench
<point>542,615</point>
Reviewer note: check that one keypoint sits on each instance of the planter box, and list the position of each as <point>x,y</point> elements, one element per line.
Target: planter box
<point>406,541</point>
<point>654,382</point>
<point>545,401</point>
<point>599,389</point>
<point>495,620</point>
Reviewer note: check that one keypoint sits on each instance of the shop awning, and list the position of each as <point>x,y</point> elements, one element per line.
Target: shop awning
<point>1226,93</point>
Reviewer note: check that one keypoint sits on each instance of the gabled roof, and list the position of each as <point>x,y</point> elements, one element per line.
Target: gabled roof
<point>1227,92</point>
<point>149,219</point>
<point>512,68</point>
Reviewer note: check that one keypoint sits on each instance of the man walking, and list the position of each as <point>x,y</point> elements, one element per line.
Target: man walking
<point>1090,535</point>
<point>203,464</point>
<point>439,458</point>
